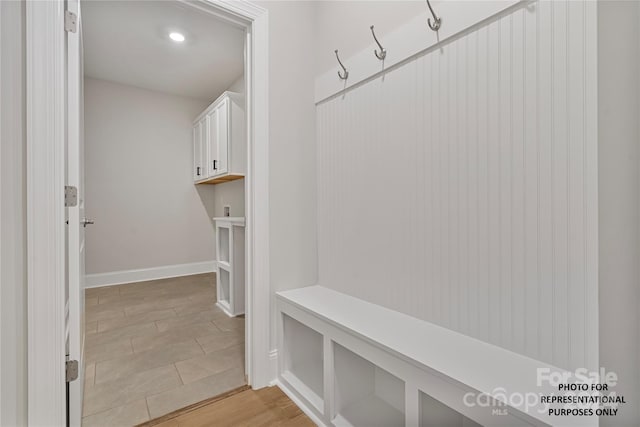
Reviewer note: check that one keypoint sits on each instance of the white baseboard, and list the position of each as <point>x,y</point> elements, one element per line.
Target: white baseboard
<point>144,274</point>
<point>294,398</point>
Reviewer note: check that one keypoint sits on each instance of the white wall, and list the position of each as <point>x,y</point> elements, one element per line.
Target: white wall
<point>292,158</point>
<point>460,188</point>
<point>13,276</point>
<point>619,191</point>
<point>344,25</point>
<point>139,187</point>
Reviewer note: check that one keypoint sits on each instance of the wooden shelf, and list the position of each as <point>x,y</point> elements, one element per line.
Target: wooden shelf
<point>220,179</point>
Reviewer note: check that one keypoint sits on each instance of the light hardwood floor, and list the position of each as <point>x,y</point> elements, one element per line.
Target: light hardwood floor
<point>157,346</point>
<point>255,408</point>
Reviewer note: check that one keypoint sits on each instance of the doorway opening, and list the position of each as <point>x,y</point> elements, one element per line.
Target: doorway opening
<point>165,166</point>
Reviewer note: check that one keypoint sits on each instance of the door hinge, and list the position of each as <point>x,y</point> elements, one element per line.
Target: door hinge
<point>70,196</point>
<point>71,370</point>
<point>70,22</point>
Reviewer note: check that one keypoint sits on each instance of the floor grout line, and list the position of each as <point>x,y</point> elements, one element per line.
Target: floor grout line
<point>201,347</point>
<point>178,371</point>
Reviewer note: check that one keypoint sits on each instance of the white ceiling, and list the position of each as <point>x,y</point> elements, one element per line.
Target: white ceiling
<point>128,42</point>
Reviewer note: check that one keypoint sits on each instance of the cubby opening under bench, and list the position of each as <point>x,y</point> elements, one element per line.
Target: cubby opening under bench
<point>348,362</point>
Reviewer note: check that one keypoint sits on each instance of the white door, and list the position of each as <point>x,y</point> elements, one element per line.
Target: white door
<point>74,308</point>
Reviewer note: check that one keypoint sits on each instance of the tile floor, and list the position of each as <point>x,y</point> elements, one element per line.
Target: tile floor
<point>154,347</point>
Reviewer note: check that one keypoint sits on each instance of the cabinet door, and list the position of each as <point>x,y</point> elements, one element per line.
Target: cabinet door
<point>198,172</point>
<point>223,136</point>
<point>212,143</point>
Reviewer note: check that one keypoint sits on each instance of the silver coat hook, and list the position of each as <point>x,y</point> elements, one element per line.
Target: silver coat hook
<point>345,74</point>
<point>435,26</point>
<point>383,51</point>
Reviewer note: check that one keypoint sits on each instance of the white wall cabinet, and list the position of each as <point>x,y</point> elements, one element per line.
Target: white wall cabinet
<point>230,283</point>
<point>219,141</point>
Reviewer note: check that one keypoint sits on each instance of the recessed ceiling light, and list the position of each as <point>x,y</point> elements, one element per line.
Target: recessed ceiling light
<point>176,37</point>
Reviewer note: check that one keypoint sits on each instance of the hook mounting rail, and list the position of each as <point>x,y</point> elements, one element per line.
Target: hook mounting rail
<point>383,51</point>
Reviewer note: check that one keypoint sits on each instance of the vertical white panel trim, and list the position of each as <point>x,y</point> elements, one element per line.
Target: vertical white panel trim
<point>13,407</point>
<point>1,199</point>
<point>45,212</point>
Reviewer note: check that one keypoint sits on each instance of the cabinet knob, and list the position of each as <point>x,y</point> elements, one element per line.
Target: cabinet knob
<point>215,167</point>
<point>198,170</point>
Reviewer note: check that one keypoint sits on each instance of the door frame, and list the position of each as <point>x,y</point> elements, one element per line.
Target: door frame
<point>46,133</point>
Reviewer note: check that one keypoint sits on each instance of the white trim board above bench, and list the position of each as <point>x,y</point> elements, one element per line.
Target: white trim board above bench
<point>397,362</point>
<point>413,38</point>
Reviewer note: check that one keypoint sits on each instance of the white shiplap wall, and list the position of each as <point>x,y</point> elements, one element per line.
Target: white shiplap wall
<point>461,187</point>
